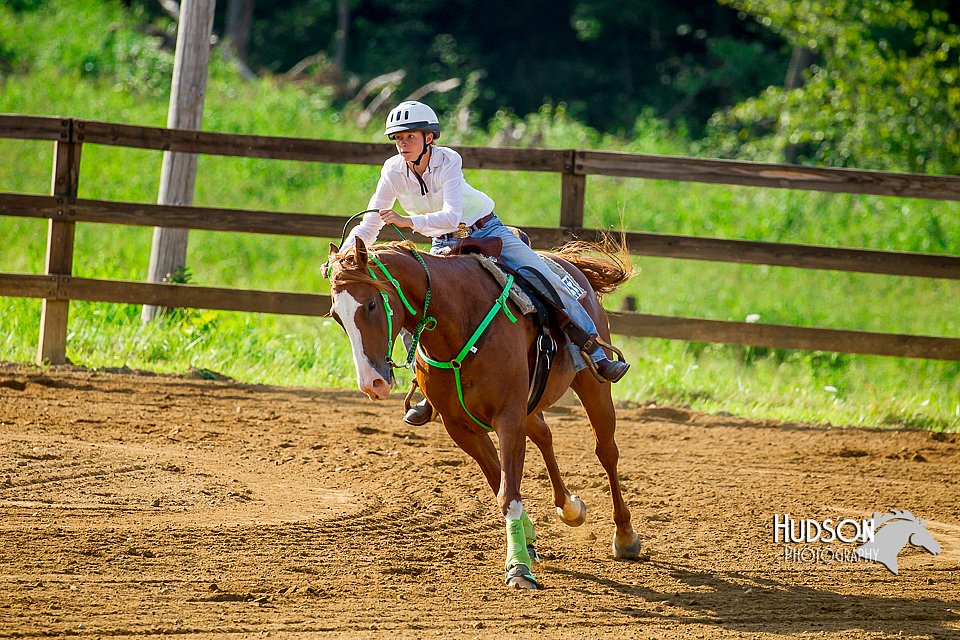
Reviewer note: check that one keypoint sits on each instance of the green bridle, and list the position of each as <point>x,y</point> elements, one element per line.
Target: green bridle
<point>428,323</point>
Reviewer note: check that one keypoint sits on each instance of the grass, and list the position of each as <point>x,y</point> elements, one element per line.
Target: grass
<point>105,82</point>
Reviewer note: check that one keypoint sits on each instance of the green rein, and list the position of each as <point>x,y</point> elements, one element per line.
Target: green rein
<point>428,323</point>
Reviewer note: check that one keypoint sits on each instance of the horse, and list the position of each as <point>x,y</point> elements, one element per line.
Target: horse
<point>482,387</point>
<point>902,528</point>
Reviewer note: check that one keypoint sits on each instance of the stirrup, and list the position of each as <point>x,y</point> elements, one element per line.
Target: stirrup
<point>591,365</point>
<point>612,371</point>
<point>415,415</point>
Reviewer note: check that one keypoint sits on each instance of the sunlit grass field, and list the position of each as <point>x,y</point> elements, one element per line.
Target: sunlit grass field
<point>817,387</point>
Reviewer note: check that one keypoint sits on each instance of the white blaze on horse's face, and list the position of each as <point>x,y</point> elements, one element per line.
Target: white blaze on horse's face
<point>346,307</point>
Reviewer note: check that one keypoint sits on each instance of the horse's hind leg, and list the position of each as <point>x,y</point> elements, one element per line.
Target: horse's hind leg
<point>598,404</point>
<point>570,508</point>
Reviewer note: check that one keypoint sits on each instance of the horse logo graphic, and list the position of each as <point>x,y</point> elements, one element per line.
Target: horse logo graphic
<point>901,527</point>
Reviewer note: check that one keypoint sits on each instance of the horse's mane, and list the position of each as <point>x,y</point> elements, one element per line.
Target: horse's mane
<point>351,273</point>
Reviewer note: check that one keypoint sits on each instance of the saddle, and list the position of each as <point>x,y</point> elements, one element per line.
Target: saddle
<point>490,247</point>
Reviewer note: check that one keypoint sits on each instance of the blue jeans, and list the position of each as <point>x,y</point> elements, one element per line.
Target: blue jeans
<point>516,254</point>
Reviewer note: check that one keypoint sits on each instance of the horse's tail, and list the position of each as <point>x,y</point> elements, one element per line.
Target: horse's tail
<point>606,263</point>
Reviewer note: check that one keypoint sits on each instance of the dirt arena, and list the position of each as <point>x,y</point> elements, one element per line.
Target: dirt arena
<point>135,505</point>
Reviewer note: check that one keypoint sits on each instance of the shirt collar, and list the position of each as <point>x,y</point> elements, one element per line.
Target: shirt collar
<point>433,164</point>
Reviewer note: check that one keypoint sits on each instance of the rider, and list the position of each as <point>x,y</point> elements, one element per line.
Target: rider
<point>428,181</point>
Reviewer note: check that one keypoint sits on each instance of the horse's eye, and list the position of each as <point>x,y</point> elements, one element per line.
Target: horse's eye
<point>370,306</point>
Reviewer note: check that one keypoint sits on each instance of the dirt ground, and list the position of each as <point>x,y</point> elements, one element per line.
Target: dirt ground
<point>140,505</point>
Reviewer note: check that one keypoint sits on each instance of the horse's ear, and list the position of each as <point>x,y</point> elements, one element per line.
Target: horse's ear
<point>332,258</point>
<point>361,252</point>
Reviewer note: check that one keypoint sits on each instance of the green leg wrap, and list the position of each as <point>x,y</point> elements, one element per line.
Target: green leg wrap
<point>528,530</point>
<point>516,545</point>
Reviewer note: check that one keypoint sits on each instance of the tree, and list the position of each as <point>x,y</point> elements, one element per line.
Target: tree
<point>237,32</point>
<point>885,93</point>
<point>607,60</point>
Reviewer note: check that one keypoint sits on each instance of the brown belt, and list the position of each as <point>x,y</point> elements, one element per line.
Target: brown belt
<point>479,224</point>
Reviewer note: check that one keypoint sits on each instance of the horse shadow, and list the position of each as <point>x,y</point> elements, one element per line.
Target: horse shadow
<point>757,604</point>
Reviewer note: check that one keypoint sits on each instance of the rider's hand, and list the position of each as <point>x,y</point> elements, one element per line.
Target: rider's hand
<point>389,216</point>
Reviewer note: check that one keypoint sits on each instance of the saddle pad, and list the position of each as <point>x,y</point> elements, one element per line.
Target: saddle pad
<point>521,299</point>
<point>516,293</point>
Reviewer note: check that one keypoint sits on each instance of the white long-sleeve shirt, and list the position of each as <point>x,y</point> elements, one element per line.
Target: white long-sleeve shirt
<point>449,200</point>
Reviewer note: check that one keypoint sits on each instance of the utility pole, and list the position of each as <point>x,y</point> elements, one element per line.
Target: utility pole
<point>178,175</point>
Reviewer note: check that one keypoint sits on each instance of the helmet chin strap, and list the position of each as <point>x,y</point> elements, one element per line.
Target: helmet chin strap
<point>426,146</point>
<point>416,163</point>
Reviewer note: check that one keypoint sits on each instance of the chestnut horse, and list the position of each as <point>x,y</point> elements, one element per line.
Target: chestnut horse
<point>376,292</point>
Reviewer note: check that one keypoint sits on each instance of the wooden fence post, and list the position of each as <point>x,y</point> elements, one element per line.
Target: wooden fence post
<point>66,180</point>
<point>573,191</point>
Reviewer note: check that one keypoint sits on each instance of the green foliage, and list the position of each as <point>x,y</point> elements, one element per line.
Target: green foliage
<point>607,59</point>
<point>22,5</point>
<point>884,94</point>
<point>135,64</point>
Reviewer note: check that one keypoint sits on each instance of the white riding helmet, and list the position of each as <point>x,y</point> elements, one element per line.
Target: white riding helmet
<point>412,116</point>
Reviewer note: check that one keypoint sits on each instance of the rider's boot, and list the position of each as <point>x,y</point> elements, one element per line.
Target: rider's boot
<point>420,414</point>
<point>611,370</point>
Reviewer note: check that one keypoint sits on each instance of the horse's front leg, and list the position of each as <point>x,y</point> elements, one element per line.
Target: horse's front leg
<point>510,431</point>
<point>479,447</point>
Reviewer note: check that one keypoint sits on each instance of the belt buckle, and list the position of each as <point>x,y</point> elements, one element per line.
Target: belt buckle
<point>462,231</point>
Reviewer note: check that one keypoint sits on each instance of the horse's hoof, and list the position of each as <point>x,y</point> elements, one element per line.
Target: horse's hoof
<point>520,577</point>
<point>574,512</point>
<point>630,550</point>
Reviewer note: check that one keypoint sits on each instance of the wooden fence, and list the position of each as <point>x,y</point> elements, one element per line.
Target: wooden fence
<point>57,286</point>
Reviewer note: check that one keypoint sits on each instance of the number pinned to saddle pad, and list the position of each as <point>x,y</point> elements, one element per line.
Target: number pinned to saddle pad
<point>571,285</point>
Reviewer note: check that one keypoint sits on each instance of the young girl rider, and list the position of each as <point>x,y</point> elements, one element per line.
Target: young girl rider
<point>428,181</point>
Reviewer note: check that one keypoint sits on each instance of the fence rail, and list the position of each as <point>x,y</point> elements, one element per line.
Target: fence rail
<point>63,209</point>
<point>898,263</point>
<point>758,174</point>
<point>66,288</point>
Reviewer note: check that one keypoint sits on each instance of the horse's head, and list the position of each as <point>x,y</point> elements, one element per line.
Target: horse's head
<point>358,305</point>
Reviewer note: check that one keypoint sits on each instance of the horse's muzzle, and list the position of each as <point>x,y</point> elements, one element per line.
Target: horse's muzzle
<point>378,382</point>
<point>376,389</point>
